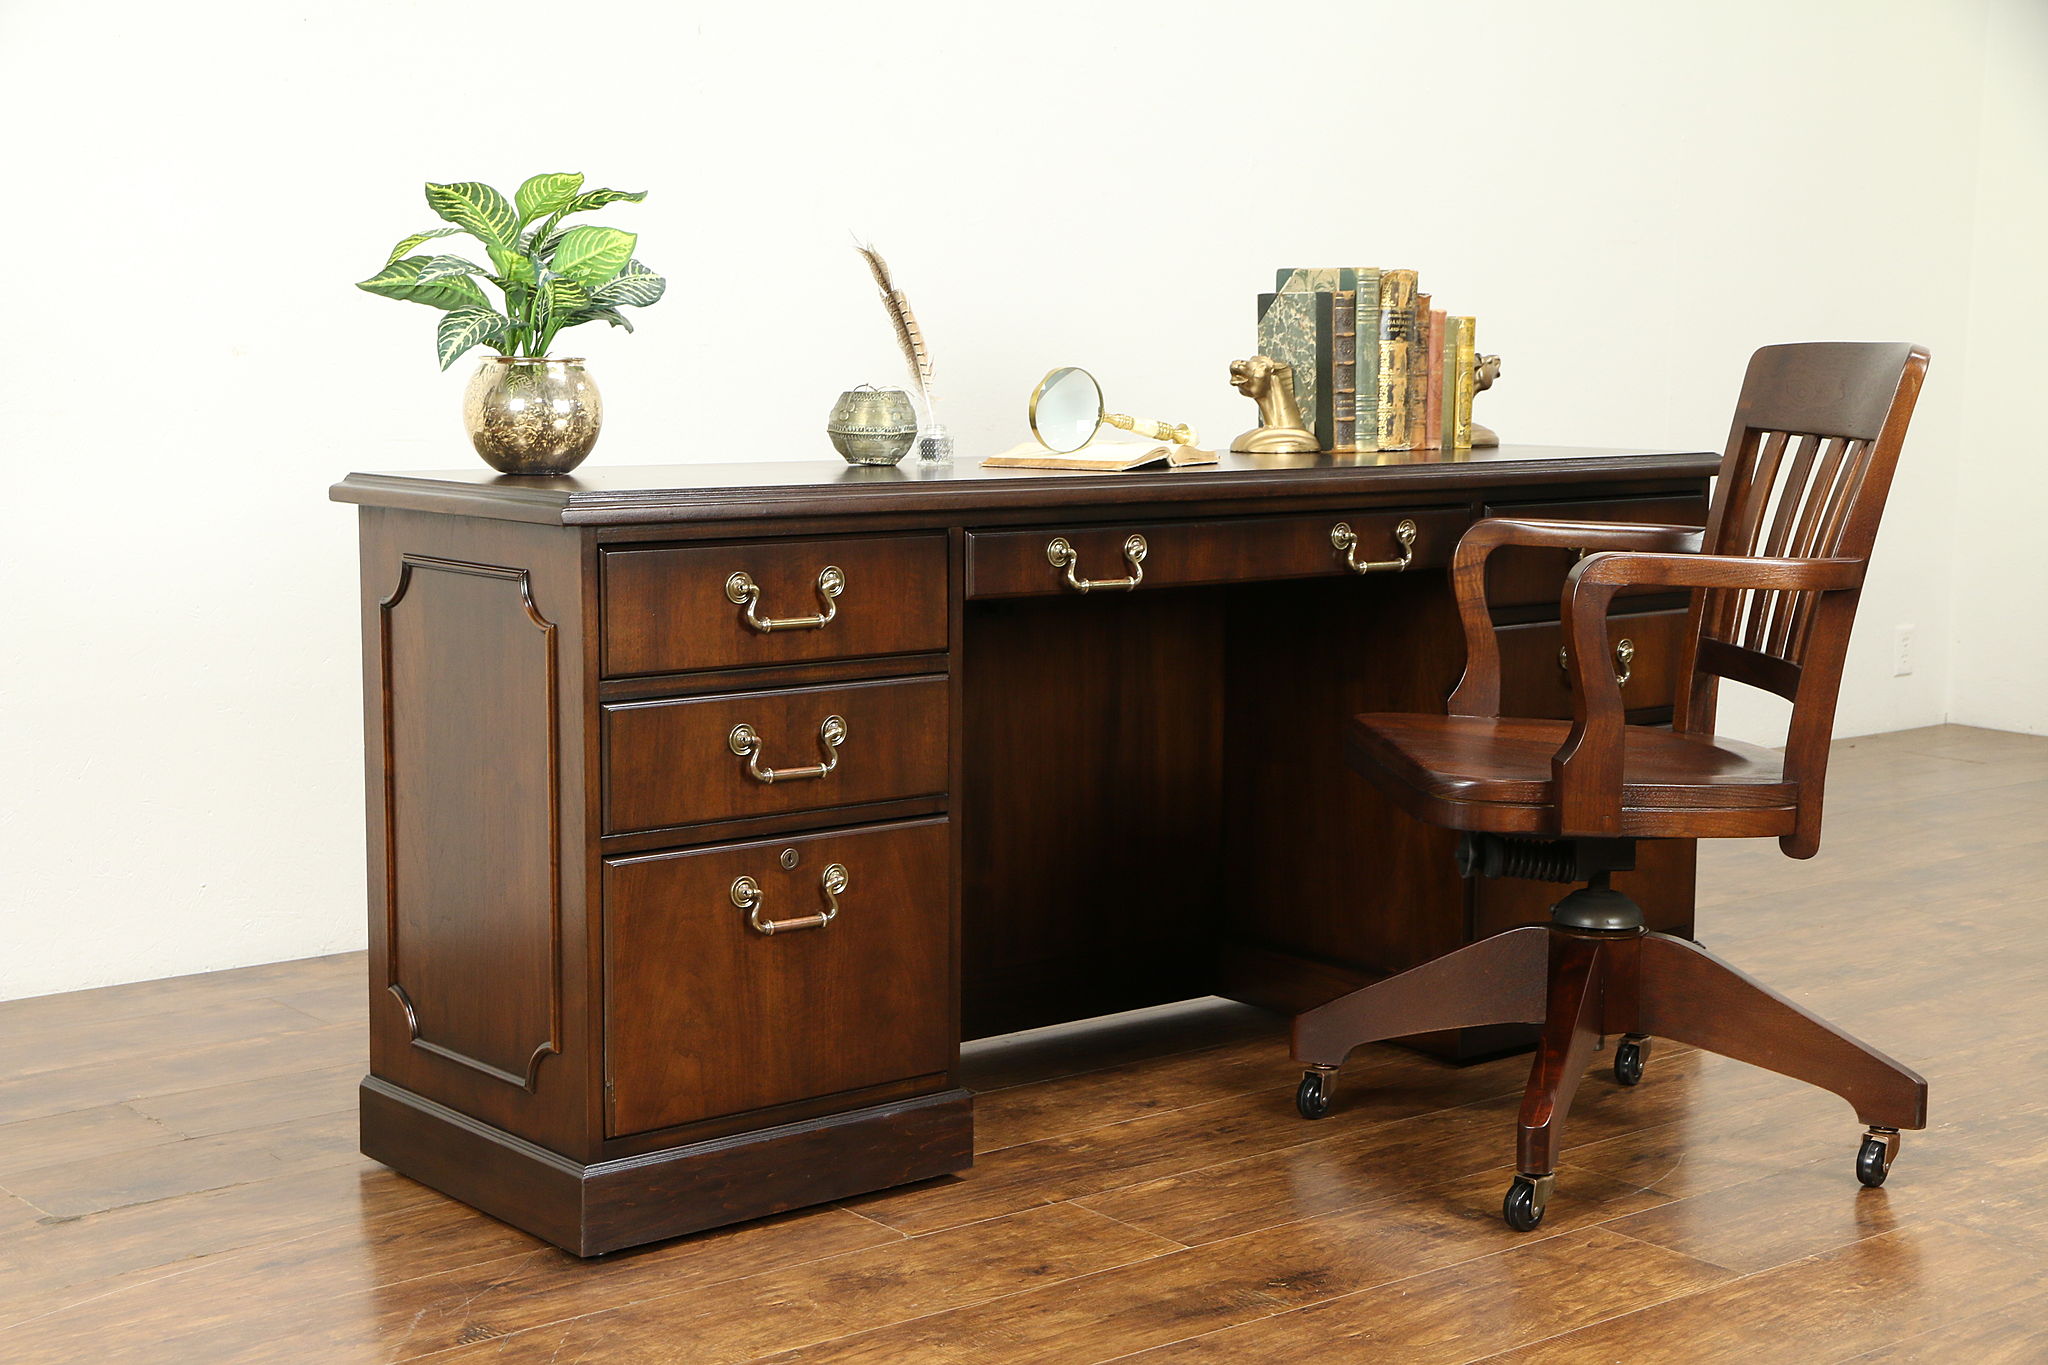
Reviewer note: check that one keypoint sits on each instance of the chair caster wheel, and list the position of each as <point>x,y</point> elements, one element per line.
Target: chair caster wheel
<point>1630,1057</point>
<point>1526,1199</point>
<point>1312,1096</point>
<point>1874,1157</point>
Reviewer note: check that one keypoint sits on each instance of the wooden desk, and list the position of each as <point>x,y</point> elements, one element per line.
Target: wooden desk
<point>1043,804</point>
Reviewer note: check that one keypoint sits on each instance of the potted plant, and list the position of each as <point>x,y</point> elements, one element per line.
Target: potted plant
<point>528,412</point>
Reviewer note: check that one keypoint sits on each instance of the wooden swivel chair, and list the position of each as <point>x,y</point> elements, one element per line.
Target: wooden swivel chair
<point>1774,577</point>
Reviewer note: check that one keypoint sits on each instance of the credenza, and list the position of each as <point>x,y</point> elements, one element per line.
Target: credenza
<point>712,805</point>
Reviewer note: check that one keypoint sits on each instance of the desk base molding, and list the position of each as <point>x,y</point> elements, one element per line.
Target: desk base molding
<point>608,1205</point>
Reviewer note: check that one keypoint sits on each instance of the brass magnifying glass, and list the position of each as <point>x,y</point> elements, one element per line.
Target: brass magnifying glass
<point>1066,414</point>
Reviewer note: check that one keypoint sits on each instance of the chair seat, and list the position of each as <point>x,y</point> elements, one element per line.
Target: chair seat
<point>1492,775</point>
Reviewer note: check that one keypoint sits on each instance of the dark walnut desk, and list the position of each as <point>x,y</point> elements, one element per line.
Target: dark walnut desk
<point>1042,804</point>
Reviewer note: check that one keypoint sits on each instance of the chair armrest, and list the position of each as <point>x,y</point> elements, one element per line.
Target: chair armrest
<point>1762,572</point>
<point>1478,691</point>
<point>1586,772</point>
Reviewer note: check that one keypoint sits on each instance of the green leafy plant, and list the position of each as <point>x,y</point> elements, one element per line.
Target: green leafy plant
<point>551,277</point>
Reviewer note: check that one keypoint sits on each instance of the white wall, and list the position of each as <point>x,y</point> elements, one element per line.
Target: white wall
<point>1999,673</point>
<point>1630,198</point>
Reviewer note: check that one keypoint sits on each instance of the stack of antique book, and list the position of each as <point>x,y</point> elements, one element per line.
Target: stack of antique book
<point>1375,366</point>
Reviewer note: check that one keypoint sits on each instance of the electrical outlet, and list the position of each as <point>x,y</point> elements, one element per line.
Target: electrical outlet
<point>1902,651</point>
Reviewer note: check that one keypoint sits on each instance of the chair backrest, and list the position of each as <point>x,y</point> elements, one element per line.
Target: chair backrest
<point>1809,463</point>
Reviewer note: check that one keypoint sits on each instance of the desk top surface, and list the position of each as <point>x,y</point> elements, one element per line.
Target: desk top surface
<point>613,495</point>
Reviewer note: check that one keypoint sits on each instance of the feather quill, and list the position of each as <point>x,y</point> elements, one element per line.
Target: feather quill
<point>905,323</point>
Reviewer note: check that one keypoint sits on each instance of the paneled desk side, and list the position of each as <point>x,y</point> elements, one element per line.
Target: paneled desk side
<point>592,783</point>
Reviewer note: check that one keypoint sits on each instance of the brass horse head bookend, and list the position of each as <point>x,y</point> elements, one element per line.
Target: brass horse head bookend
<point>1483,375</point>
<point>1270,384</point>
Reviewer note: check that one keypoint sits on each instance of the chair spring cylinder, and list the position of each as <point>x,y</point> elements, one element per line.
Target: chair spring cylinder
<point>1542,860</point>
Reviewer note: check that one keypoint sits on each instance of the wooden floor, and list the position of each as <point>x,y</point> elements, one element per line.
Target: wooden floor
<point>178,1180</point>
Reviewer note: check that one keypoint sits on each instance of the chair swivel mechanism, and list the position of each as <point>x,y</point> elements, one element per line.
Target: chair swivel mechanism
<point>1773,578</point>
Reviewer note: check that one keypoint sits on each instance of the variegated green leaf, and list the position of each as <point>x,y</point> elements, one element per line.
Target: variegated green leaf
<point>597,199</point>
<point>566,295</point>
<point>517,309</point>
<point>592,255</point>
<point>611,315</point>
<point>441,267</point>
<point>541,311</point>
<point>544,194</point>
<point>547,247</point>
<point>409,243</point>
<point>582,203</point>
<point>464,328</point>
<point>401,280</point>
<point>476,208</point>
<point>555,302</point>
<point>636,286</point>
<point>512,263</point>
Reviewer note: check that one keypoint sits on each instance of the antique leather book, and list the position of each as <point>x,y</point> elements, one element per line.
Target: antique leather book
<point>1106,457</point>
<point>1397,335</point>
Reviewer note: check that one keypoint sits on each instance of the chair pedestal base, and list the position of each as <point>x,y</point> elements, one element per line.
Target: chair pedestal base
<point>1580,985</point>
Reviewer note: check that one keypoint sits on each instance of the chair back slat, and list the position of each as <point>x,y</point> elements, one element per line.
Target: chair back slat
<point>1797,502</point>
<point>1818,535</point>
<point>1767,490</point>
<point>1788,496</point>
<point>1809,463</point>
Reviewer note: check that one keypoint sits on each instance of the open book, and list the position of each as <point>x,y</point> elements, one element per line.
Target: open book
<point>1102,456</point>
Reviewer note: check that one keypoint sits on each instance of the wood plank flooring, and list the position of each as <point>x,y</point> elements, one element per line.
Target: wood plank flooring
<point>178,1180</point>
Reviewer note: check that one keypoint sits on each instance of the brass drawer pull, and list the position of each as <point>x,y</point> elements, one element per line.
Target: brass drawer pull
<point>1624,654</point>
<point>742,591</point>
<point>1346,539</point>
<point>746,894</point>
<point>745,741</point>
<point>1062,555</point>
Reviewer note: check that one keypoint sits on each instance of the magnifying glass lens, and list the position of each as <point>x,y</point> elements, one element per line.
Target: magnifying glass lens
<point>1066,410</point>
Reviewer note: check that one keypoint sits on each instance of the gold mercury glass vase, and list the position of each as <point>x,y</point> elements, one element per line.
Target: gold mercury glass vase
<point>532,414</point>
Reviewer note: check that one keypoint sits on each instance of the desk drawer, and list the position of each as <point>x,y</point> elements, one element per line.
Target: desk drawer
<point>1519,576</point>
<point>1187,553</point>
<point>1533,681</point>
<point>672,610</point>
<point>705,1015</point>
<point>680,762</point>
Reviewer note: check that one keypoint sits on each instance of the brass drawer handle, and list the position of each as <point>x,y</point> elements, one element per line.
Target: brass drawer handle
<point>1346,539</point>
<point>1624,654</point>
<point>745,741</point>
<point>742,591</point>
<point>1060,552</point>
<point>746,894</point>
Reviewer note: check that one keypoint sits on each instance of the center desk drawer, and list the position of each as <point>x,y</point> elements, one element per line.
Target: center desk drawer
<point>707,1015</point>
<point>1189,553</point>
<point>697,759</point>
<point>736,605</point>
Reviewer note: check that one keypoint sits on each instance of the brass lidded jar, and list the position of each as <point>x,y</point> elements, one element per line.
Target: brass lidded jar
<point>532,414</point>
<point>872,426</point>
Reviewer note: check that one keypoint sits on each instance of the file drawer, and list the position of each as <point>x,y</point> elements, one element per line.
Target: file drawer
<point>1532,677</point>
<point>698,759</point>
<point>707,1015</point>
<point>732,605</point>
<point>1059,559</point>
